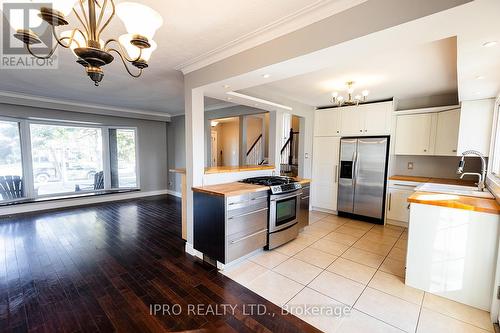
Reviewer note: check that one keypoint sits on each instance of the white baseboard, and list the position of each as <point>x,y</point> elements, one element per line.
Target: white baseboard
<point>191,250</point>
<point>174,193</point>
<point>397,223</point>
<point>74,202</point>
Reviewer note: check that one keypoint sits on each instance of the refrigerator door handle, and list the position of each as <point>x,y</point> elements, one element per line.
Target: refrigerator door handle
<point>353,168</point>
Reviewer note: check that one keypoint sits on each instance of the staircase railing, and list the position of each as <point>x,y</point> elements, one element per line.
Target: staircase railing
<point>290,149</point>
<point>255,153</point>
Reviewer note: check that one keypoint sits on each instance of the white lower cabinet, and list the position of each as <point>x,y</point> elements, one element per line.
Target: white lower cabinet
<point>397,205</point>
<point>325,173</point>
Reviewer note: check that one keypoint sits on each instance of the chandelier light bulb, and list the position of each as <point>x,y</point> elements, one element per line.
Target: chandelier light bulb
<point>357,97</point>
<point>139,19</point>
<point>365,93</point>
<point>335,94</point>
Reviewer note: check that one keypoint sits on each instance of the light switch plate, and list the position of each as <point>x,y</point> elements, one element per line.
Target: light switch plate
<point>410,165</point>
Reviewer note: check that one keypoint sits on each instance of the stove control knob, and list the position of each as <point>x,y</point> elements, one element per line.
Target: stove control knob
<point>276,189</point>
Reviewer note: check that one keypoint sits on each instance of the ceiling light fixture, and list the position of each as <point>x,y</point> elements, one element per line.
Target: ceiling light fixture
<point>480,77</point>
<point>135,47</point>
<point>266,76</point>
<point>339,100</point>
<point>226,86</point>
<point>490,44</point>
<point>214,123</point>
<point>259,100</point>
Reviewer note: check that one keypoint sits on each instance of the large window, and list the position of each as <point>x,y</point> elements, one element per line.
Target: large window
<point>54,158</point>
<point>122,155</point>
<point>66,158</point>
<point>11,169</point>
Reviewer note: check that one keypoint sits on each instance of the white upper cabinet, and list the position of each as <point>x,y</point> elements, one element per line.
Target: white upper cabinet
<point>413,134</point>
<point>352,120</point>
<point>476,120</point>
<point>327,122</point>
<point>365,119</point>
<point>377,118</point>
<point>447,133</point>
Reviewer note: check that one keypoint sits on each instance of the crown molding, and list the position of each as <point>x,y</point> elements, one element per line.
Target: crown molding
<point>314,12</point>
<point>12,98</point>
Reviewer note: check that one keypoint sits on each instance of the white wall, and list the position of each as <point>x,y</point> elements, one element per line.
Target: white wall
<point>230,135</point>
<point>433,166</point>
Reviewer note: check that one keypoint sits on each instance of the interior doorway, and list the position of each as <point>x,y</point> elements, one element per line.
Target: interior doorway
<point>214,151</point>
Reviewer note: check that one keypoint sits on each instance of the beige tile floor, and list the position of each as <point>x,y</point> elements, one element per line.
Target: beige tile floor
<point>357,266</point>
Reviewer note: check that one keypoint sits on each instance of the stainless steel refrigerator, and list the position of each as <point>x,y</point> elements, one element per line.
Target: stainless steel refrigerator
<point>362,180</point>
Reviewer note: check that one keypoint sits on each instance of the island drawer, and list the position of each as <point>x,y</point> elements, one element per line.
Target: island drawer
<point>250,206</point>
<point>238,247</point>
<point>248,222</point>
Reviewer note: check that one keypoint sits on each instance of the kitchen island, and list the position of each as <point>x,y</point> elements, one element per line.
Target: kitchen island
<point>231,220</point>
<point>452,246</point>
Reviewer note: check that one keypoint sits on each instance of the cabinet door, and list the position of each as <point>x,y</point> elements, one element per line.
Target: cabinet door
<point>397,205</point>
<point>413,134</point>
<point>325,172</point>
<point>476,118</point>
<point>352,121</point>
<point>327,122</point>
<point>448,123</point>
<point>377,118</point>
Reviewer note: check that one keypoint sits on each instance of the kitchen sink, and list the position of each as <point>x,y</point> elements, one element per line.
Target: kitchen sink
<point>469,191</point>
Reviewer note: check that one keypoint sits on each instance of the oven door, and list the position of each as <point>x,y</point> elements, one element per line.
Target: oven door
<point>284,210</point>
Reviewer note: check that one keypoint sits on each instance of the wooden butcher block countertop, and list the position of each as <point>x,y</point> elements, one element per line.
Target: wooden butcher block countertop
<point>237,188</point>
<point>456,201</point>
<point>230,189</point>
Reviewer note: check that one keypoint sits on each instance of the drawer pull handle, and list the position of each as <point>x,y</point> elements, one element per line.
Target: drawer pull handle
<point>246,214</point>
<point>390,200</point>
<point>404,185</point>
<point>249,236</point>
<point>237,203</point>
<point>253,199</point>
<point>304,198</point>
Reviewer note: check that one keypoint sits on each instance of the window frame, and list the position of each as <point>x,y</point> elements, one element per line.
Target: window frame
<point>108,162</point>
<point>493,176</point>
<point>27,156</point>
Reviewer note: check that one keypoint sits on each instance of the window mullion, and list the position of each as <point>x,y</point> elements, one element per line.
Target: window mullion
<point>27,161</point>
<point>106,158</point>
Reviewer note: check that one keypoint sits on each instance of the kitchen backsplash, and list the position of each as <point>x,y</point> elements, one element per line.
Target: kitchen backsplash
<point>432,166</point>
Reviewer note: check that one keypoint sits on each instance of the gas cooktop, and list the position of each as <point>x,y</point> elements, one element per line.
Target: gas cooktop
<point>277,184</point>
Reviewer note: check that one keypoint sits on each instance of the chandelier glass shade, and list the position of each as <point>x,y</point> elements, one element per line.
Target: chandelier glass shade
<point>351,99</point>
<point>85,40</point>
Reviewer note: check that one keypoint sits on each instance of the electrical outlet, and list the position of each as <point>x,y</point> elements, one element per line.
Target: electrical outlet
<point>410,165</point>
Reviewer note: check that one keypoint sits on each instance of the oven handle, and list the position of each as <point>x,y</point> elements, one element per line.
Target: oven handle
<point>287,197</point>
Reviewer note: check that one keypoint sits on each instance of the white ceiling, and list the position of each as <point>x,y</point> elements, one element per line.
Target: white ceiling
<point>191,30</point>
<point>415,59</point>
<point>408,72</point>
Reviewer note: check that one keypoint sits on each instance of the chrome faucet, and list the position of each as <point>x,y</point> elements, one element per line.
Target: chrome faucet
<point>481,176</point>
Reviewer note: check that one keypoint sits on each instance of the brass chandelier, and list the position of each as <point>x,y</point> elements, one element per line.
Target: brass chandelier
<point>94,16</point>
<point>351,99</point>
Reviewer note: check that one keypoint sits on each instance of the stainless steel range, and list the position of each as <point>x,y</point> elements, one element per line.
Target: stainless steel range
<point>284,194</point>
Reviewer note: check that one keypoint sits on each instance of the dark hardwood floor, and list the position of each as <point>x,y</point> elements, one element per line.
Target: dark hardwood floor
<point>100,268</point>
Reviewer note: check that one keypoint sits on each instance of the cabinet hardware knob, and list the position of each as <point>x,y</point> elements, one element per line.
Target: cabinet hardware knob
<point>361,130</point>
<point>454,150</point>
<point>425,150</point>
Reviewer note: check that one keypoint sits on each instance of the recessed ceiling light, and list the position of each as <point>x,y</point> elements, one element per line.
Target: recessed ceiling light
<point>480,77</point>
<point>490,44</point>
<point>266,76</point>
<point>226,86</point>
<point>229,98</point>
<point>478,93</point>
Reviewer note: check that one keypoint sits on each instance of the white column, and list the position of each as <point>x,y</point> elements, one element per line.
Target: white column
<point>195,150</point>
